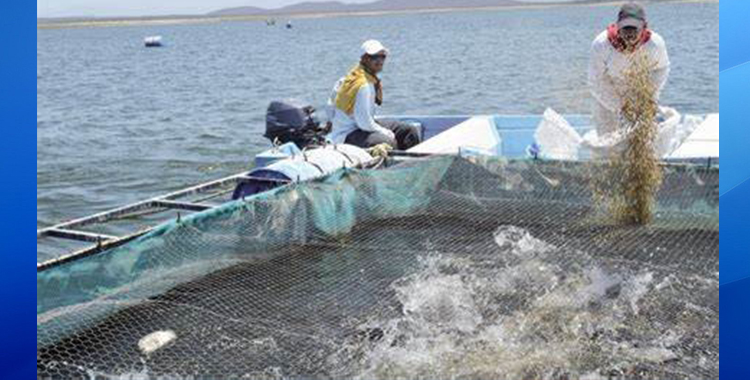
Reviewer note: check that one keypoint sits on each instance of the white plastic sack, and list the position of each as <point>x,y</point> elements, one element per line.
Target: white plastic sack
<point>557,140</point>
<point>673,129</point>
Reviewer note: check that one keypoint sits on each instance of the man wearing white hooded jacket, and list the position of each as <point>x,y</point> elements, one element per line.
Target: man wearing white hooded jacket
<point>611,54</point>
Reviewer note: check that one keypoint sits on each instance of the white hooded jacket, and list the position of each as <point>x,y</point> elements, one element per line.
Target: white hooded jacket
<point>607,67</point>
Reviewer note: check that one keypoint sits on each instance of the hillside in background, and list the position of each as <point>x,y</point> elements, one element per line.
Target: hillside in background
<point>380,5</point>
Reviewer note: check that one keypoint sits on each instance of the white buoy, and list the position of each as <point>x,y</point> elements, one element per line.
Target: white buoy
<point>156,340</point>
<point>152,41</point>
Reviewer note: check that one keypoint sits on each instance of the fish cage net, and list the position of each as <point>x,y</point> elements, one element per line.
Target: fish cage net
<point>442,267</point>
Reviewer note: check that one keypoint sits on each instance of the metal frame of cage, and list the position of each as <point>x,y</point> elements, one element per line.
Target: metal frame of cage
<point>71,230</point>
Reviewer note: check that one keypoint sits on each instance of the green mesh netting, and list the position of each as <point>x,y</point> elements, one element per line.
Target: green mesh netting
<point>432,268</point>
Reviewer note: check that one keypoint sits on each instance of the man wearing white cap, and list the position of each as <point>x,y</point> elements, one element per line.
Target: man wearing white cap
<point>611,55</point>
<point>354,101</point>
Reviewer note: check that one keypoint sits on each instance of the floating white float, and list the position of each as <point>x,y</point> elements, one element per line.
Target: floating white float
<point>156,340</point>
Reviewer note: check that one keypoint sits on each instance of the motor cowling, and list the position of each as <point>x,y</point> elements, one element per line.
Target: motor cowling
<point>293,121</point>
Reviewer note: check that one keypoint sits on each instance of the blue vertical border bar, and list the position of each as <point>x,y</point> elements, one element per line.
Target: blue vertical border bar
<point>17,189</point>
<point>734,75</point>
<point>734,47</point>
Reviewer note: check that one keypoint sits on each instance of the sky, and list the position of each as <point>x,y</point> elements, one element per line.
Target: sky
<point>103,8</point>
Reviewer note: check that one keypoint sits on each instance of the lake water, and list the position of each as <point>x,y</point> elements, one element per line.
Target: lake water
<point>118,123</point>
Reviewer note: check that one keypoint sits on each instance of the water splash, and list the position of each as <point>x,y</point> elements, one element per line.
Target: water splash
<point>530,310</point>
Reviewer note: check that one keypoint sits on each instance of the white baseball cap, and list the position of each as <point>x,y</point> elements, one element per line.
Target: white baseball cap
<point>372,47</point>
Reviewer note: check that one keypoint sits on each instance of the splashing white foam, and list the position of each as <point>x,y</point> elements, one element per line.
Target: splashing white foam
<point>519,241</point>
<point>537,311</point>
<point>637,288</point>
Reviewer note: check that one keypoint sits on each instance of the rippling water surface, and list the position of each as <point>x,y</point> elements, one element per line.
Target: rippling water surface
<point>117,122</point>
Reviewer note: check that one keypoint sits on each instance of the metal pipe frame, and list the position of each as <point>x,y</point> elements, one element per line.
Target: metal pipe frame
<point>69,230</point>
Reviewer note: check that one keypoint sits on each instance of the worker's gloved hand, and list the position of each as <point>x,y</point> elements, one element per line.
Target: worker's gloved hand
<point>380,150</point>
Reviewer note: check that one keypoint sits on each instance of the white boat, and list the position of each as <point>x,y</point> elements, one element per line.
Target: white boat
<point>511,136</point>
<point>152,41</point>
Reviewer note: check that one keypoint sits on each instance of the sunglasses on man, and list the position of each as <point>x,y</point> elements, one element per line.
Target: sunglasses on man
<point>378,57</point>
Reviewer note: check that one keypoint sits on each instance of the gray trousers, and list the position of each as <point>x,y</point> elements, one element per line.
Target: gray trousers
<point>407,136</point>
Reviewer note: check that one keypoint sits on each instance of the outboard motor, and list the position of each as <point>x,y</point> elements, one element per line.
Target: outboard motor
<point>293,121</point>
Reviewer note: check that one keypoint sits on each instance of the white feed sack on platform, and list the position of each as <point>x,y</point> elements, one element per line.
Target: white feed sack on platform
<point>556,138</point>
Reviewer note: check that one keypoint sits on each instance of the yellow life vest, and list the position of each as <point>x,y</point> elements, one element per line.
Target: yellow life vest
<point>354,81</point>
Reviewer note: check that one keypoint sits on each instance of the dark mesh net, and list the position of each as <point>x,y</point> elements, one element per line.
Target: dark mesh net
<point>433,268</point>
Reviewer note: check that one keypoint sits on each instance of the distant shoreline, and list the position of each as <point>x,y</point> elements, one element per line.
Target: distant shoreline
<point>205,19</point>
